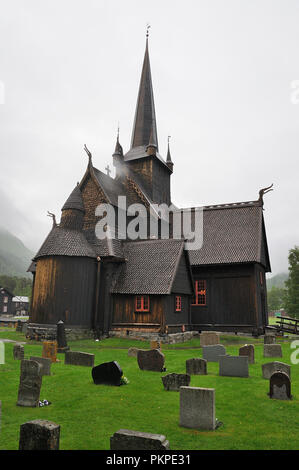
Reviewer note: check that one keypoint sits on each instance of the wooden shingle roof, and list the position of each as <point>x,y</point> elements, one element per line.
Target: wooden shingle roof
<point>149,268</point>
<point>232,233</point>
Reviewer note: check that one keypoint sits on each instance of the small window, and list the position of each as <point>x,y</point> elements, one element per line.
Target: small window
<point>5,300</point>
<point>178,303</point>
<point>142,303</point>
<point>5,309</point>
<point>200,293</point>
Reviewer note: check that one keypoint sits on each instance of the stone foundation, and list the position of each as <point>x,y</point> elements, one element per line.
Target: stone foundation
<point>40,332</point>
<point>162,338</point>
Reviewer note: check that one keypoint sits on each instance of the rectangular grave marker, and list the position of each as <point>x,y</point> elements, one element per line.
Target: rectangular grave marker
<point>197,408</point>
<point>233,366</point>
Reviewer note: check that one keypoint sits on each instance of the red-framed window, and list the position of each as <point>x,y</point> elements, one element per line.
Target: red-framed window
<point>200,297</point>
<point>178,303</point>
<point>142,303</point>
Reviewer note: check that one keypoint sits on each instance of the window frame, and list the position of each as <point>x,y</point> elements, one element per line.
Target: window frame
<point>178,303</point>
<point>200,291</point>
<point>144,303</point>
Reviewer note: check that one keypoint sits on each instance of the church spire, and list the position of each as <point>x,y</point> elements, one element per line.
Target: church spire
<point>169,162</point>
<point>145,117</point>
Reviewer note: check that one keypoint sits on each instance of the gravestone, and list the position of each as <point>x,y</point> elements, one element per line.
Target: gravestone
<point>78,358</point>
<point>125,439</point>
<point>272,350</point>
<point>173,382</point>
<point>152,360</point>
<point>208,338</point>
<point>280,386</point>
<point>196,366</point>
<point>24,327</point>
<point>44,362</point>
<point>19,325</point>
<point>39,435</point>
<point>18,351</point>
<point>50,350</point>
<point>108,373</point>
<point>247,350</point>
<point>155,345</point>
<point>233,366</point>
<point>272,367</point>
<point>61,338</point>
<point>213,352</point>
<point>269,339</point>
<point>30,383</point>
<point>197,408</point>
<point>132,352</point>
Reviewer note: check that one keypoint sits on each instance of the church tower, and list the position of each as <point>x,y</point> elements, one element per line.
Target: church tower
<point>143,159</point>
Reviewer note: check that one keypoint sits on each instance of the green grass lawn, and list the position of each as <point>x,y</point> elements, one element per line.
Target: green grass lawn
<point>90,414</point>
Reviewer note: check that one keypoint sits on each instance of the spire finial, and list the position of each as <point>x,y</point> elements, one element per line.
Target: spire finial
<point>147,30</point>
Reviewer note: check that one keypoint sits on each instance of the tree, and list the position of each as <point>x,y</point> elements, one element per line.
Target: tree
<point>275,298</point>
<point>292,284</point>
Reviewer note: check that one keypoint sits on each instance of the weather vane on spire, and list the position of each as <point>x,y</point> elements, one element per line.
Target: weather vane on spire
<point>147,29</point>
<point>168,139</point>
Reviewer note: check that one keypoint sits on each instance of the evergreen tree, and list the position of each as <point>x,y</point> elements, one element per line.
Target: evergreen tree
<point>292,284</point>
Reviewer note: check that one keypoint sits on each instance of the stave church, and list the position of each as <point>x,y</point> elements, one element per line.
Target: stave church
<point>116,285</point>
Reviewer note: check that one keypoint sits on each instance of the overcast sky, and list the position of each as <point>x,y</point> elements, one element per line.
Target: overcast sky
<point>222,75</point>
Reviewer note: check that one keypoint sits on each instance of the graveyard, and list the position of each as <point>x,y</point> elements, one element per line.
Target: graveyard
<point>89,414</point>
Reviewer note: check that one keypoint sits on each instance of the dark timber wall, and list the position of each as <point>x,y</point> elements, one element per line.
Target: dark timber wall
<point>64,289</point>
<point>125,317</point>
<point>235,300</point>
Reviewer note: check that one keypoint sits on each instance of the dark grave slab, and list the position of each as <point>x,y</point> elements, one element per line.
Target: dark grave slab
<point>30,383</point>
<point>61,338</point>
<point>152,359</point>
<point>270,367</point>
<point>18,351</point>
<point>78,358</point>
<point>196,366</point>
<point>280,386</point>
<point>247,350</point>
<point>125,439</point>
<point>44,362</point>
<point>108,373</point>
<point>173,382</point>
<point>39,435</point>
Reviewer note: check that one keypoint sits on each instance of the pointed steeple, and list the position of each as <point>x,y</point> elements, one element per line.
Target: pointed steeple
<point>145,117</point>
<point>169,162</point>
<point>118,148</point>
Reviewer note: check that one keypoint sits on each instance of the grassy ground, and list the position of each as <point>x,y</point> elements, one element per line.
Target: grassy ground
<point>90,414</point>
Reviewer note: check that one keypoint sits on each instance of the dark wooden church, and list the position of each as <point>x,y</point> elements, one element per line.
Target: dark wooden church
<point>154,284</point>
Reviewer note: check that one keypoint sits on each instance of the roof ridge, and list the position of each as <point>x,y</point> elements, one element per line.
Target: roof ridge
<point>230,205</point>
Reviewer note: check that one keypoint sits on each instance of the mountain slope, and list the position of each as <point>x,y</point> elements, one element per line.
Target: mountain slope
<point>278,280</point>
<point>15,257</point>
